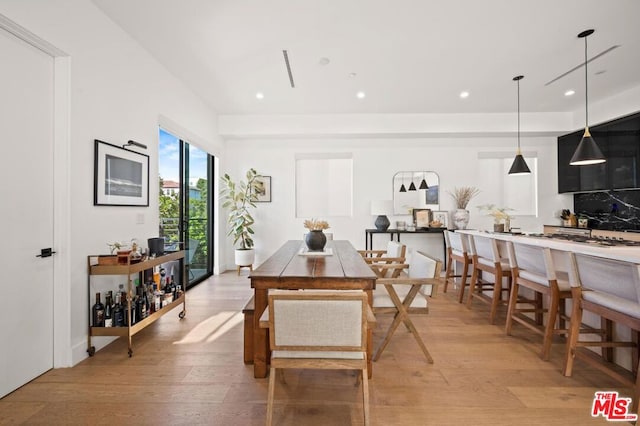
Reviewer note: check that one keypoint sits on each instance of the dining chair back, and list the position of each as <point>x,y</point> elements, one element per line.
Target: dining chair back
<point>385,263</point>
<point>318,330</point>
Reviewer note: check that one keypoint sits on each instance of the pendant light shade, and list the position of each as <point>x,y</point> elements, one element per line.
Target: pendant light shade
<point>423,184</point>
<point>587,151</point>
<point>519,166</point>
<point>402,187</point>
<point>412,187</point>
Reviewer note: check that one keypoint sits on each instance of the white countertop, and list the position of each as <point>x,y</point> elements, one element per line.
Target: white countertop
<point>624,253</point>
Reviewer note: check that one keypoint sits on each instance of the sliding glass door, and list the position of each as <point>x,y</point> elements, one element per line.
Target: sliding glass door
<point>185,202</point>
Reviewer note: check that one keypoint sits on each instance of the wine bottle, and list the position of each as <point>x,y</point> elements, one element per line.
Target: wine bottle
<point>98,312</point>
<point>118,313</point>
<point>145,302</point>
<point>162,278</point>
<point>174,288</point>
<point>108,312</point>
<point>138,304</point>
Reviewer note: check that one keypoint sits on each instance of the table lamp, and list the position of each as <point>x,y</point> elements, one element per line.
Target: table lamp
<point>382,208</point>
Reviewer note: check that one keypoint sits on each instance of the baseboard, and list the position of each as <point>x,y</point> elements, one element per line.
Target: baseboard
<point>79,351</point>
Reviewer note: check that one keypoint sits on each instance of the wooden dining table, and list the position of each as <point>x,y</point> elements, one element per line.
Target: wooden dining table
<point>340,267</point>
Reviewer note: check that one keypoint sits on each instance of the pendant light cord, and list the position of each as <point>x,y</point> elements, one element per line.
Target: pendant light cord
<point>518,81</point>
<point>586,88</point>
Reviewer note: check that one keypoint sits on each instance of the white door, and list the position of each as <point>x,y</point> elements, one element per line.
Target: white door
<point>26,212</point>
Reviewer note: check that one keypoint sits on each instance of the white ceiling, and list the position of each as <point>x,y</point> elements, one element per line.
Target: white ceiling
<point>409,56</point>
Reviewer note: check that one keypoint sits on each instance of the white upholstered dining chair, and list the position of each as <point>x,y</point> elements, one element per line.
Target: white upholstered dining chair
<point>318,330</point>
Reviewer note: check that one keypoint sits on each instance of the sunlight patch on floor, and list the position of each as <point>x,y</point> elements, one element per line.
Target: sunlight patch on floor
<point>212,328</point>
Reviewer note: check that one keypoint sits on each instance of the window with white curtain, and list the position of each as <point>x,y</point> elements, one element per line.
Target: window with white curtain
<point>324,185</point>
<point>519,193</point>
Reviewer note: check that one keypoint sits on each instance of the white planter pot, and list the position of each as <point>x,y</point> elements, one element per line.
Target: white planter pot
<point>245,257</point>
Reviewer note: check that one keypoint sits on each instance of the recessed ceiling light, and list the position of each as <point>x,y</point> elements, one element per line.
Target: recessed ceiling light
<point>352,74</point>
<point>361,95</point>
<point>600,72</point>
<point>570,92</point>
<point>464,95</point>
<point>324,61</point>
<point>259,95</point>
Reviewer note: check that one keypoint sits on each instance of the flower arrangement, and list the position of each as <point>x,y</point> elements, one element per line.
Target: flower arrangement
<point>316,225</point>
<point>499,213</point>
<point>463,195</point>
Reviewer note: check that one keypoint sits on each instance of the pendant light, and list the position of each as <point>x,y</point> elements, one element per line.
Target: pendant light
<point>423,184</point>
<point>519,166</point>
<point>587,151</point>
<point>412,187</point>
<point>402,188</point>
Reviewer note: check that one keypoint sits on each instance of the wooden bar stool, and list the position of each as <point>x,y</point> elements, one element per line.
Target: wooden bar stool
<point>611,290</point>
<point>457,250</point>
<point>532,267</point>
<point>487,258</point>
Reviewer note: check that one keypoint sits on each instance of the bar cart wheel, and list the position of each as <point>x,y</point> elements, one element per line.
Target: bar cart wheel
<point>91,351</point>
<point>130,352</point>
<point>182,314</point>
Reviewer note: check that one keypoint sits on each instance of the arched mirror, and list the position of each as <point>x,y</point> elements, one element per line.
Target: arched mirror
<point>415,190</point>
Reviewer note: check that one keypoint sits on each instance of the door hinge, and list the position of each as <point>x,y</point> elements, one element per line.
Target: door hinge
<point>45,252</point>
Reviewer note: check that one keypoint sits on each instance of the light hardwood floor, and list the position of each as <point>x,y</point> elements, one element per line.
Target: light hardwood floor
<point>191,372</point>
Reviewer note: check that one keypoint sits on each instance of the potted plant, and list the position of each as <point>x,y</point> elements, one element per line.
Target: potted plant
<point>501,219</point>
<point>239,198</point>
<point>462,196</point>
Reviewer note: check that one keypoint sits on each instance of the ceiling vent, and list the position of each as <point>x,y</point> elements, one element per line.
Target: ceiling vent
<point>288,65</point>
<point>604,52</point>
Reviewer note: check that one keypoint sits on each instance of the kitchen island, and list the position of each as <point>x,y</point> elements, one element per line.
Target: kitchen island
<point>600,247</point>
<point>560,246</point>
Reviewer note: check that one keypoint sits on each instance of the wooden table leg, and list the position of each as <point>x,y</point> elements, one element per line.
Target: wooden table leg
<point>370,339</point>
<point>260,336</point>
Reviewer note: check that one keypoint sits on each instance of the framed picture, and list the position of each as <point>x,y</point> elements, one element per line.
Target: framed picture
<point>422,217</point>
<point>263,189</point>
<point>442,216</point>
<point>121,176</point>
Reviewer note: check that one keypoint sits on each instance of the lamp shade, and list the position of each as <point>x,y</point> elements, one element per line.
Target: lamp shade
<point>519,166</point>
<point>587,152</point>
<point>381,207</point>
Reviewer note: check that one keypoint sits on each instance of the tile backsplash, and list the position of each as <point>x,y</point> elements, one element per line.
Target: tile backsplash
<point>613,210</point>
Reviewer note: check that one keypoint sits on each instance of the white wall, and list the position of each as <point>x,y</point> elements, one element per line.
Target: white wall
<point>118,92</point>
<point>375,161</point>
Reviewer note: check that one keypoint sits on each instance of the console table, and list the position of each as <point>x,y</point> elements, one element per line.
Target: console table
<point>368,243</point>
